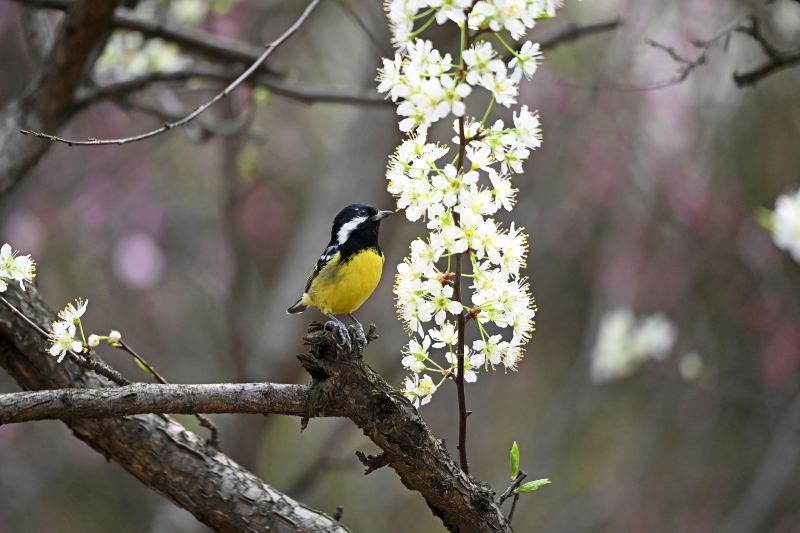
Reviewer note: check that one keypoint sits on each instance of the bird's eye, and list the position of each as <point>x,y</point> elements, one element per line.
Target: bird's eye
<point>362,212</point>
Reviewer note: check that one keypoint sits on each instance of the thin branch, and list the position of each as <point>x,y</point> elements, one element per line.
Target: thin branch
<point>373,462</point>
<point>573,32</point>
<point>777,60</point>
<point>511,488</point>
<point>203,420</point>
<point>381,46</point>
<point>224,93</point>
<point>306,94</point>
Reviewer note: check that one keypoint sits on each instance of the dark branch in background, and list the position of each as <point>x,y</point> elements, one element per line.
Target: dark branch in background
<point>194,114</point>
<point>777,60</point>
<point>301,93</point>
<point>572,32</point>
<point>158,451</point>
<point>46,102</point>
<point>192,40</point>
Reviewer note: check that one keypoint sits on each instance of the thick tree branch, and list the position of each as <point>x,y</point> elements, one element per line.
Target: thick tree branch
<point>46,102</point>
<point>199,110</point>
<point>343,385</point>
<point>158,451</point>
<point>140,398</point>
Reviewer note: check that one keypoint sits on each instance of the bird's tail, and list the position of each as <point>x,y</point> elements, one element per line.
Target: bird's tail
<point>298,307</point>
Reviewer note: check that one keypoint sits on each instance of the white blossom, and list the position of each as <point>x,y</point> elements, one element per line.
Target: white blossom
<point>419,390</point>
<point>786,224</point>
<point>15,268</point>
<point>73,312</point>
<point>62,339</point>
<point>624,343</point>
<point>458,198</point>
<point>526,61</point>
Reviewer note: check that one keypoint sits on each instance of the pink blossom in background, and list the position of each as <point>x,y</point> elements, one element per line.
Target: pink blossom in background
<point>138,261</point>
<point>25,231</point>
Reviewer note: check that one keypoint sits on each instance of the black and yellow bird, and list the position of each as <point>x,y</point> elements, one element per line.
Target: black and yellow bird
<point>348,270</point>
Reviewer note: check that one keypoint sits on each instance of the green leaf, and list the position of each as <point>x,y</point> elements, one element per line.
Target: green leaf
<point>764,218</point>
<point>532,485</point>
<point>513,460</point>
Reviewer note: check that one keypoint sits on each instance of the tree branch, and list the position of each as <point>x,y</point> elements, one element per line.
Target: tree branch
<point>191,40</point>
<point>302,93</point>
<point>573,32</point>
<point>46,102</point>
<point>777,60</point>
<point>199,110</point>
<point>343,385</point>
<point>158,451</point>
<point>154,398</point>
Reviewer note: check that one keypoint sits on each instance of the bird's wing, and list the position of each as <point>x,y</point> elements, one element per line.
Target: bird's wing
<point>323,260</point>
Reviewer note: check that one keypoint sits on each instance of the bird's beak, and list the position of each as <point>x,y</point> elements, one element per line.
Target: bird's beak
<point>380,215</point>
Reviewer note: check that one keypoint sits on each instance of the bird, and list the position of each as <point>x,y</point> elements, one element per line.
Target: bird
<point>347,272</point>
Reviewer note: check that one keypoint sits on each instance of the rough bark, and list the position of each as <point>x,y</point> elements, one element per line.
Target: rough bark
<point>178,464</point>
<point>158,451</point>
<point>343,383</point>
<point>144,398</point>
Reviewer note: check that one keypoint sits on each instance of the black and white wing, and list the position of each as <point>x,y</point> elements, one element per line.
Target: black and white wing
<point>323,260</point>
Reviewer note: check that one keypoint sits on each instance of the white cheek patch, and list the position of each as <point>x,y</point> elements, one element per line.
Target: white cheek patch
<point>347,229</point>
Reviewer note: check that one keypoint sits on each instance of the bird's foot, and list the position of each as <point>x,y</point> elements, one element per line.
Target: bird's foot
<point>341,330</point>
<point>358,331</point>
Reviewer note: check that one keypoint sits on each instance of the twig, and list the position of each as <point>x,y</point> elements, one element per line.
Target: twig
<point>203,420</point>
<point>90,362</point>
<point>382,47</point>
<point>225,92</point>
<point>573,32</point>
<point>372,462</point>
<point>307,94</point>
<point>777,60</point>
<point>511,488</point>
<point>86,361</point>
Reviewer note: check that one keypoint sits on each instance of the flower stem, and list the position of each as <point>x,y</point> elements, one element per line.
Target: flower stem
<point>422,28</point>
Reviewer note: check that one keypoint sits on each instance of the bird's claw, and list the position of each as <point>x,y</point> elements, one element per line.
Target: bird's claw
<point>341,330</point>
<point>361,338</point>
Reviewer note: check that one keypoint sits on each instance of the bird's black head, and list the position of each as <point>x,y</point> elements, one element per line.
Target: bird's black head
<point>357,226</point>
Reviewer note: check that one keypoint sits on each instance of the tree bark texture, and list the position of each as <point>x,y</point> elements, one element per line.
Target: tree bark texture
<point>158,451</point>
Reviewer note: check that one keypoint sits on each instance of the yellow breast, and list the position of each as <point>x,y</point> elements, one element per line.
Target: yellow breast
<point>342,288</point>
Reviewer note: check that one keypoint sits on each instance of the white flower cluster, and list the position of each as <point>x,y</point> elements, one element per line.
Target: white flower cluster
<point>514,16</point>
<point>786,224</point>
<point>624,343</point>
<point>458,198</point>
<point>15,268</point>
<point>431,86</point>
<point>128,54</point>
<point>66,333</point>
<point>65,330</point>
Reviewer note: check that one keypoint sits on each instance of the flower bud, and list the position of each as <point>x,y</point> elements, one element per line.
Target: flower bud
<point>114,337</point>
<point>94,340</point>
